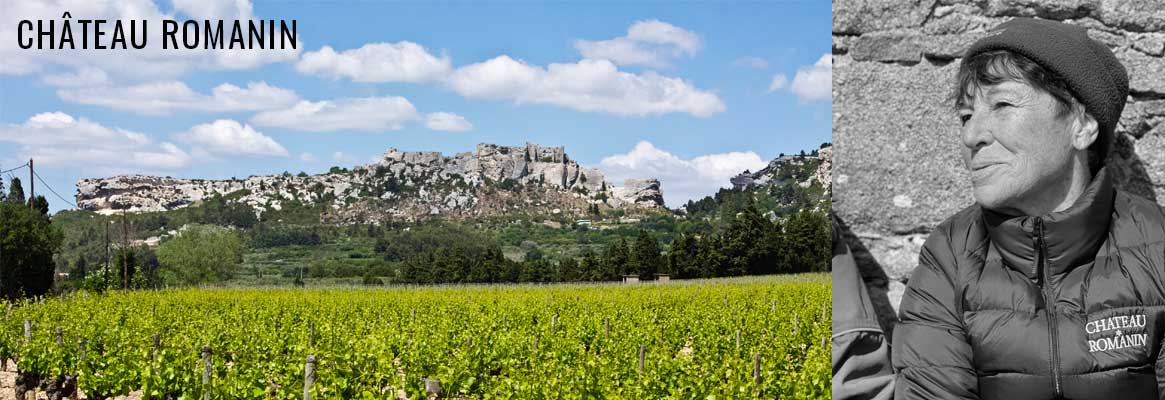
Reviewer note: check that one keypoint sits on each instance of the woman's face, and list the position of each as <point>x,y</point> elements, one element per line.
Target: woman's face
<point>1015,146</point>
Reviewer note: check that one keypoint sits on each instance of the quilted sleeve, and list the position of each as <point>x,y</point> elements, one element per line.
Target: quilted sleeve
<point>931,356</point>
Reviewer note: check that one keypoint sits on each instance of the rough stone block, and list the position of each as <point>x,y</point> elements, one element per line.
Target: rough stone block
<point>854,17</point>
<point>901,47</point>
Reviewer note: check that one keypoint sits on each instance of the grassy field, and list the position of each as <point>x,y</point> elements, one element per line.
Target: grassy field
<point>722,338</point>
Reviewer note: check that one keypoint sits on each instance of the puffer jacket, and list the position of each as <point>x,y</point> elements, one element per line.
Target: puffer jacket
<point>1065,305</point>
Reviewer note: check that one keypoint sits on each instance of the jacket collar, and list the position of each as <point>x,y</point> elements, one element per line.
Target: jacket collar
<point>1071,237</point>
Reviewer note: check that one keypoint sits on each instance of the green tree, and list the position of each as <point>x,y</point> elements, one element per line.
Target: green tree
<point>616,259</point>
<point>807,240</point>
<point>646,260</point>
<point>201,254</point>
<point>40,204</point>
<point>683,258</point>
<point>15,192</point>
<point>27,243</point>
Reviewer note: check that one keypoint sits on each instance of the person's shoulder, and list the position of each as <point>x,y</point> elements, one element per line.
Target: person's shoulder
<point>960,231</point>
<point>1137,217</point>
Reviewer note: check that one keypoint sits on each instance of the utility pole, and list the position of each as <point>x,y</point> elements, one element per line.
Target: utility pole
<point>31,184</point>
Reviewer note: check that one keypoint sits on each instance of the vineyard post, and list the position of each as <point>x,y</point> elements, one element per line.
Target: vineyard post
<point>28,330</point>
<point>823,342</point>
<point>433,387</point>
<point>756,368</point>
<point>9,312</point>
<point>553,322</point>
<point>642,351</point>
<point>311,333</point>
<point>738,340</point>
<point>309,376</point>
<point>823,309</point>
<point>157,339</point>
<point>606,328</point>
<point>469,341</point>
<point>206,354</point>
<point>795,323</point>
<point>58,336</point>
<point>81,346</point>
<point>536,344</point>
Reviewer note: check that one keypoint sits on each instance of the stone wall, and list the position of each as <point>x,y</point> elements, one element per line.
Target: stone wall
<point>898,173</point>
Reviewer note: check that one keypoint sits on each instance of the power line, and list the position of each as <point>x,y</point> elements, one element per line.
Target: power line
<point>46,184</point>
<point>13,169</point>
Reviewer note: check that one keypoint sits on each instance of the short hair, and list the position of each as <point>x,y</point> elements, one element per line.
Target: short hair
<point>997,66</point>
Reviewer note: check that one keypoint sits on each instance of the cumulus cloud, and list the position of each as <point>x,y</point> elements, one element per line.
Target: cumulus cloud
<point>59,139</point>
<point>82,77</point>
<point>307,157</point>
<point>150,63</point>
<point>158,98</point>
<point>369,114</point>
<point>450,122</point>
<point>230,138</point>
<point>588,85</point>
<point>377,62</point>
<point>681,180</point>
<point>811,83</point>
<point>649,43</point>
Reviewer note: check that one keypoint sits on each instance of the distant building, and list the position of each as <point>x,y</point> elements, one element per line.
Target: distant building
<point>630,278</point>
<point>663,278</point>
<point>583,222</point>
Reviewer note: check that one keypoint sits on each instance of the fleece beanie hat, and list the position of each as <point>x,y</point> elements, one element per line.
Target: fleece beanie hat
<point>1091,70</point>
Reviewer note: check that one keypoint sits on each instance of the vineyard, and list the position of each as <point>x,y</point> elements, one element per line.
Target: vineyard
<point>759,337</point>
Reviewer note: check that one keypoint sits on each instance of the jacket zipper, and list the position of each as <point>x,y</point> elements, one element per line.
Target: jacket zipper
<point>1049,306</point>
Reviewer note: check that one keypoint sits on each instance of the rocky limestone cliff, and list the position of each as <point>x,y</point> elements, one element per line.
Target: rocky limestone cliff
<point>769,172</point>
<point>898,171</point>
<point>407,185</point>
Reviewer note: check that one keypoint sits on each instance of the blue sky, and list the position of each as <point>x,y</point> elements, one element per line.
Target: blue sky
<point>689,93</point>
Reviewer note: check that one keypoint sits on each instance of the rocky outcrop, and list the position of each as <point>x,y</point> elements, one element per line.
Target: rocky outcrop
<point>401,184</point>
<point>899,173</point>
<point>771,172</point>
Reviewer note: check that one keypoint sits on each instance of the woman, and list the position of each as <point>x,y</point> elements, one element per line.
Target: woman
<point>1053,284</point>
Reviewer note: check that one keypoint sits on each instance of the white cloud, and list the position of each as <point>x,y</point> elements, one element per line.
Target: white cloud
<point>230,138</point>
<point>779,82</point>
<point>82,77</point>
<point>166,97</point>
<point>681,180</point>
<point>59,139</point>
<point>307,157</point>
<point>214,9</point>
<point>588,85</point>
<point>751,62</point>
<point>150,63</point>
<point>812,83</point>
<point>444,121</point>
<point>650,43</point>
<point>377,62</point>
<point>370,114</point>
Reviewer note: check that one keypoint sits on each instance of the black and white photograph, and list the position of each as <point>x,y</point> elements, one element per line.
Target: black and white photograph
<point>999,180</point>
